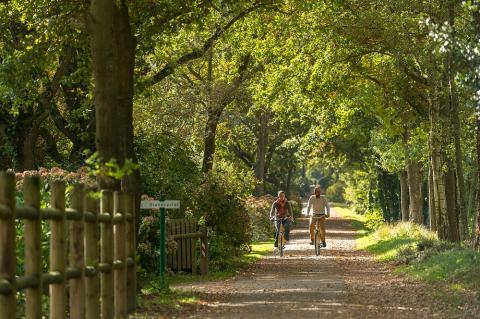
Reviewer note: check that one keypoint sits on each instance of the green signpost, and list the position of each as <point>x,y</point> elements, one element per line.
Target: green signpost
<point>163,248</point>
<point>163,205</point>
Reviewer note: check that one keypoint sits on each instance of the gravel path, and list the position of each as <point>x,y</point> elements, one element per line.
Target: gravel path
<point>340,283</point>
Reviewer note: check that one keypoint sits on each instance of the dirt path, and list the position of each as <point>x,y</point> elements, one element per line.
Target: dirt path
<point>341,283</point>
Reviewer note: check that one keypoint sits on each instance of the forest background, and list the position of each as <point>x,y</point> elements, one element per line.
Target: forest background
<point>222,103</point>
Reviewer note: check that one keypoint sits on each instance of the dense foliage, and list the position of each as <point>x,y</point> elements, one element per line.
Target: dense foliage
<point>373,100</point>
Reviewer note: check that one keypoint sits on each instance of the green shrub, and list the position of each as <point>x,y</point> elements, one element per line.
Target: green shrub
<point>453,266</point>
<point>336,192</point>
<point>148,250</point>
<point>296,203</point>
<point>221,253</point>
<point>358,191</point>
<point>220,202</point>
<point>422,250</point>
<point>396,242</point>
<point>303,186</point>
<point>424,257</point>
<point>403,230</point>
<point>168,166</point>
<point>374,219</point>
<point>258,209</point>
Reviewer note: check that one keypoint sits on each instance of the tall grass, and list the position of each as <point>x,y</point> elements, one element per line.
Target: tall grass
<point>389,241</point>
<point>421,255</point>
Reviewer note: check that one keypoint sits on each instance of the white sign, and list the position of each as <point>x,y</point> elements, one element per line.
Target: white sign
<point>155,204</point>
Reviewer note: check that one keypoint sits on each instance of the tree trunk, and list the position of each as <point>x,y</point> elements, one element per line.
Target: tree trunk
<point>288,183</point>
<point>105,63</point>
<point>415,182</point>
<point>404,197</point>
<point>452,205</point>
<point>432,211</point>
<point>476,226</point>
<point>471,197</point>
<point>30,139</point>
<point>381,186</point>
<point>219,97</point>
<point>454,113</point>
<point>113,56</point>
<point>113,53</point>
<point>262,141</point>
<point>438,180</point>
<point>28,150</point>
<point>460,179</point>
<point>213,117</point>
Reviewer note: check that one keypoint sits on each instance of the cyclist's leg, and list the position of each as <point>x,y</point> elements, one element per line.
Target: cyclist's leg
<point>286,224</point>
<point>321,222</point>
<point>277,232</point>
<point>312,228</point>
<point>317,224</point>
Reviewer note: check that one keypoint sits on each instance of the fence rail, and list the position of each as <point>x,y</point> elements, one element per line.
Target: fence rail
<point>91,251</point>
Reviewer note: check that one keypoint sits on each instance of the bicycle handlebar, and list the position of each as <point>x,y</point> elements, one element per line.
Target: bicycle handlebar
<point>281,218</point>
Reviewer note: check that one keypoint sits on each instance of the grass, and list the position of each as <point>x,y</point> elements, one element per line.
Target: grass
<point>459,269</point>
<point>389,241</point>
<point>450,268</point>
<point>358,221</point>
<point>337,204</point>
<point>259,249</point>
<point>176,299</point>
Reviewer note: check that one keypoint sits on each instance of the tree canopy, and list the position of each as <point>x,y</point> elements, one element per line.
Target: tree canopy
<point>375,99</point>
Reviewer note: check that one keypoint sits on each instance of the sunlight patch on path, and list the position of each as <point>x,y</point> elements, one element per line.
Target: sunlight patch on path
<point>286,286</point>
<point>340,283</point>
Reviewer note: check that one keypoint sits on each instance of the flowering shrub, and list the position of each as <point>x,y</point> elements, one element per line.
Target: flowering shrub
<point>148,250</point>
<point>82,175</point>
<point>258,208</point>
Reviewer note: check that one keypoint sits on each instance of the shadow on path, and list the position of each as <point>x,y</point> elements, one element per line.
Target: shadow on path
<point>340,283</point>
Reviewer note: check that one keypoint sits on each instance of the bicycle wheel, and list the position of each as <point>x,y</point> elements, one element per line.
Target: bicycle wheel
<point>316,242</point>
<point>280,244</point>
<point>319,247</point>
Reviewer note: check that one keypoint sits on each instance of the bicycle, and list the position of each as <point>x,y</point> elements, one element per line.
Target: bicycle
<point>281,241</point>
<point>317,242</point>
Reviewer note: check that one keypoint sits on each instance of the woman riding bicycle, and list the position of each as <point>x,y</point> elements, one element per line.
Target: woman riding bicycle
<point>281,212</point>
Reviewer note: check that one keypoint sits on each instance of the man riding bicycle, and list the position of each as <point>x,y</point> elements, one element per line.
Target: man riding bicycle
<point>280,212</point>
<point>321,210</point>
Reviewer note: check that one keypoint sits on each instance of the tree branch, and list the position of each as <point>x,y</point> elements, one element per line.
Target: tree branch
<point>51,146</point>
<point>170,67</point>
<point>247,158</point>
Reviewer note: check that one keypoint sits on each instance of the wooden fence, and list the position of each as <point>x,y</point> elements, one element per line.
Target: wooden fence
<point>91,252</point>
<point>186,232</point>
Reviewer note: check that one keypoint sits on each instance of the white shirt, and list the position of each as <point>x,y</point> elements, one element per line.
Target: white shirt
<point>319,205</point>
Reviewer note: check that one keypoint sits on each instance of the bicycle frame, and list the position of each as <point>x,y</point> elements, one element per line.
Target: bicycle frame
<point>316,239</point>
<point>281,236</point>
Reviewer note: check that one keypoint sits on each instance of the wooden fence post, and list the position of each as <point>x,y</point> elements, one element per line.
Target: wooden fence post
<point>76,253</point>
<point>131,246</point>
<point>106,256</point>
<point>7,244</point>
<point>204,252</point>
<point>193,248</point>
<point>58,252</point>
<point>33,254</point>
<point>120,274</point>
<point>92,281</point>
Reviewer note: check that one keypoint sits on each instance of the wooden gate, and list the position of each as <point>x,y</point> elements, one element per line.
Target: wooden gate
<point>185,232</point>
